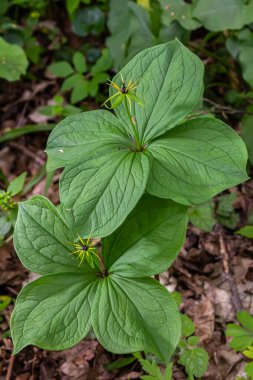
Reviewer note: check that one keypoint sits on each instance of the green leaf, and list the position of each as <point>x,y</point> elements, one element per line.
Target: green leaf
<point>61,69</point>
<point>141,36</point>
<point>195,361</point>
<point>168,97</point>
<point>70,82</point>
<point>95,81</point>
<point>131,31</point>
<point>89,20</point>
<point>247,133</point>
<point>4,302</point>
<point>103,63</point>
<point>5,225</point>
<point>248,353</point>
<point>246,320</point>
<point>13,61</point>
<point>180,11</point>
<point>119,27</point>
<point>79,62</point>
<point>188,327</point>
<point>120,363</point>
<point>168,372</point>
<point>16,186</point>
<point>202,216</point>
<point>80,90</point>
<point>42,238</point>
<point>236,331</point>
<point>14,133</point>
<point>151,368</point>
<point>177,297</point>
<point>242,338</point>
<point>72,5</point>
<point>54,311</point>
<point>134,315</point>
<point>245,58</point>
<point>249,370</point>
<point>219,15</point>
<point>97,195</point>
<point>193,340</point>
<point>83,136</point>
<point>246,231</point>
<point>153,233</point>
<point>225,212</point>
<point>196,160</point>
<point>241,343</point>
<point>69,110</point>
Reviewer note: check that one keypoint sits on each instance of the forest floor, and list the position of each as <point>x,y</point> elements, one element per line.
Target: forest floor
<point>214,271</point>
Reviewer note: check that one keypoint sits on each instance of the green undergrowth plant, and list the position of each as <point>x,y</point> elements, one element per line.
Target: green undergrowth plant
<point>242,339</point>
<point>9,207</point>
<point>81,80</point>
<point>128,179</point>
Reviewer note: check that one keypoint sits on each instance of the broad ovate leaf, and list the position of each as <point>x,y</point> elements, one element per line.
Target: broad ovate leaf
<point>81,136</point>
<point>41,238</point>
<point>131,315</point>
<point>180,11</point>
<point>97,195</point>
<point>196,160</point>
<point>170,82</point>
<point>149,239</point>
<point>13,61</point>
<point>217,15</point>
<point>54,311</point>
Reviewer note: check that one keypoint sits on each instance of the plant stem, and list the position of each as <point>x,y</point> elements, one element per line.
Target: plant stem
<point>102,264</point>
<point>136,136</point>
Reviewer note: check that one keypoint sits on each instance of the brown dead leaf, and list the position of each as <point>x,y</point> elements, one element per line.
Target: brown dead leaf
<point>203,314</point>
<point>130,375</point>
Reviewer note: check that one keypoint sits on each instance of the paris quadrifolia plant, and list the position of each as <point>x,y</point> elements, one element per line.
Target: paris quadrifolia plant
<point>129,176</point>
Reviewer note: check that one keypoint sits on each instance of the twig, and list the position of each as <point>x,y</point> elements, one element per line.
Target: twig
<point>226,259</point>
<point>20,120</point>
<point>226,109</point>
<point>27,152</point>
<point>10,367</point>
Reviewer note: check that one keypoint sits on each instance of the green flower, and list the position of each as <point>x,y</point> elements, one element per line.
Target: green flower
<point>123,92</point>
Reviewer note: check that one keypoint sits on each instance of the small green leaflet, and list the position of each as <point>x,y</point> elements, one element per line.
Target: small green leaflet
<point>246,231</point>
<point>151,368</point>
<point>127,314</point>
<point>186,161</point>
<point>154,371</point>
<point>242,335</point>
<point>195,361</point>
<point>188,327</point>
<point>16,185</point>
<point>202,216</point>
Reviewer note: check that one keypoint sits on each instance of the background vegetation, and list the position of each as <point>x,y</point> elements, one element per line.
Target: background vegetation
<point>55,59</point>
